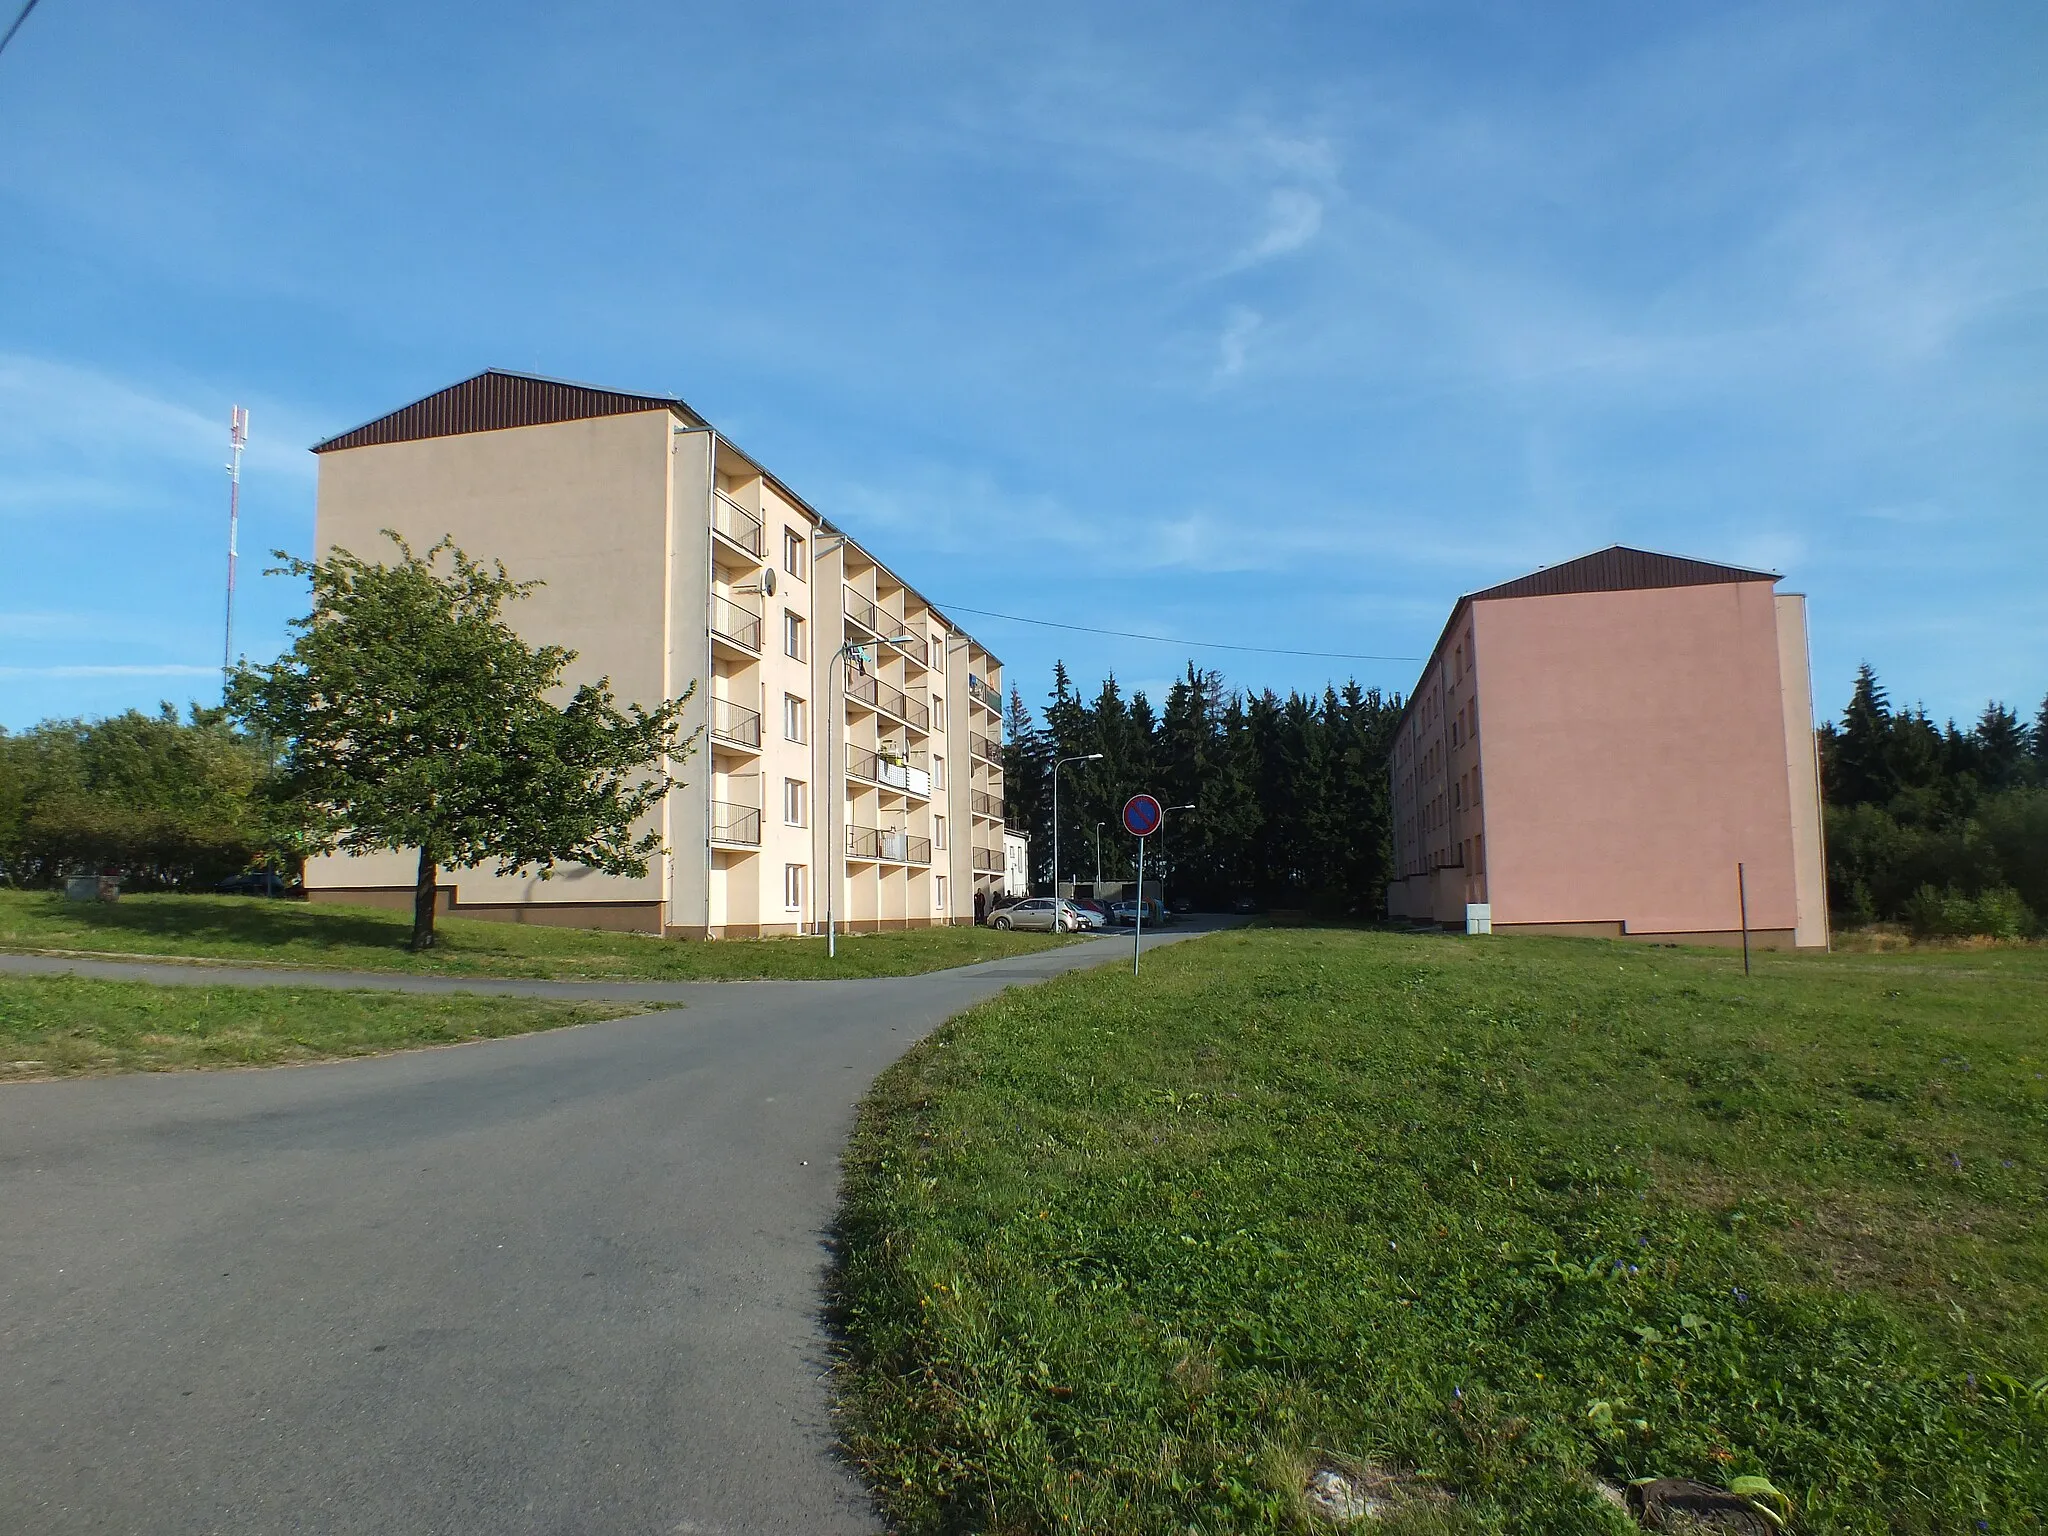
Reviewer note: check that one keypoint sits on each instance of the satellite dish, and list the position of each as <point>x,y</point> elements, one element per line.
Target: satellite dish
<point>768,581</point>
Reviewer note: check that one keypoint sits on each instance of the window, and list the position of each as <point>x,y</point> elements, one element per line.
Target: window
<point>939,709</point>
<point>793,721</point>
<point>793,802</point>
<point>938,832</point>
<point>793,887</point>
<point>792,634</point>
<point>938,773</point>
<point>793,552</point>
<point>939,892</point>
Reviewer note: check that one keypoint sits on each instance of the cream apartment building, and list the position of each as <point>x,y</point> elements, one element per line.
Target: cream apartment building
<point>1595,748</point>
<point>671,558</point>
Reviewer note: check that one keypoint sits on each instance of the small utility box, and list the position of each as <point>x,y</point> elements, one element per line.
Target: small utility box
<point>1478,917</point>
<point>92,888</point>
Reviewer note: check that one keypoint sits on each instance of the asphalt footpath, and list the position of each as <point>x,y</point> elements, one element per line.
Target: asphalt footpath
<point>561,1282</point>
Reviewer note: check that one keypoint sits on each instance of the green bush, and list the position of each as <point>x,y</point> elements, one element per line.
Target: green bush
<point>170,804</point>
<point>1997,914</point>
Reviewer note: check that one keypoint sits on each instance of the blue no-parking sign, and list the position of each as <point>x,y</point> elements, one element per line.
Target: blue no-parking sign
<point>1142,815</point>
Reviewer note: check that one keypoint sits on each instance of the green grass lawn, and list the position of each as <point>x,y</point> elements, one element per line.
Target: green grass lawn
<point>61,1026</point>
<point>235,928</point>
<point>1508,1215</point>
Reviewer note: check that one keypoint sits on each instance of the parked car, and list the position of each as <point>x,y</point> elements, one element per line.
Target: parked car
<point>1126,912</point>
<point>255,882</point>
<point>1243,906</point>
<point>1037,913</point>
<point>1093,913</point>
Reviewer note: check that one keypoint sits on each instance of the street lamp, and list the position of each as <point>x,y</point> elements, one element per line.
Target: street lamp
<point>834,790</point>
<point>1098,858</point>
<point>1059,909</point>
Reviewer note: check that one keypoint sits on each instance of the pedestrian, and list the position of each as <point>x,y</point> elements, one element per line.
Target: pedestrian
<point>980,908</point>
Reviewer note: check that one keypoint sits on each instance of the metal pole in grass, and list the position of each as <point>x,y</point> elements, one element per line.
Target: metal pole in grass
<point>1742,898</point>
<point>1142,817</point>
<point>1138,913</point>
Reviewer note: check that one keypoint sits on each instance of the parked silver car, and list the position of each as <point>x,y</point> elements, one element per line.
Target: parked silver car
<point>1037,913</point>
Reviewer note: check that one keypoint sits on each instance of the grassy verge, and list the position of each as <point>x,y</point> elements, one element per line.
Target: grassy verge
<point>229,928</point>
<point>1512,1216</point>
<point>60,1026</point>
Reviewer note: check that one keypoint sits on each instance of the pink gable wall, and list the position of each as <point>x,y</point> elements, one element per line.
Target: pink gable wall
<point>1633,749</point>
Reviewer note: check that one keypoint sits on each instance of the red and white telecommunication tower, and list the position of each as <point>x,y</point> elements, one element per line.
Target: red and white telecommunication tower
<point>238,439</point>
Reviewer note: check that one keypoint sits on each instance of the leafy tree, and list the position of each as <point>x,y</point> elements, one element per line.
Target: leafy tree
<point>168,804</point>
<point>412,716</point>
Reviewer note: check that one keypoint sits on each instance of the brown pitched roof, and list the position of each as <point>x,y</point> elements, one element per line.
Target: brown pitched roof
<point>495,399</point>
<point>1621,569</point>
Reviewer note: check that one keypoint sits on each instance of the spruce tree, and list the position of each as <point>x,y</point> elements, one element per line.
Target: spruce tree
<point>2039,744</point>
<point>1862,759</point>
<point>1999,749</point>
<point>1026,801</point>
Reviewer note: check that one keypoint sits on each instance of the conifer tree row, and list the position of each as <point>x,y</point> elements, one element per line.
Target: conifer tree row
<point>1941,828</point>
<point>1289,794</point>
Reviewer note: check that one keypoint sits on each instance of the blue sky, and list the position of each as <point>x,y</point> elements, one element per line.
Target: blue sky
<point>1278,324</point>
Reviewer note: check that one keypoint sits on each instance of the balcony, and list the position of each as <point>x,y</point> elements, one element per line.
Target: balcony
<point>886,626</point>
<point>890,699</point>
<point>735,826</point>
<point>990,699</point>
<point>876,846</point>
<point>985,804</point>
<point>903,776</point>
<point>988,751</point>
<point>734,725</point>
<point>736,626</point>
<point>904,772</point>
<point>988,861</point>
<point>736,525</point>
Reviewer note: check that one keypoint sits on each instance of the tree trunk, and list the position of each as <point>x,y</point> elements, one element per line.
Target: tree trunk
<point>423,900</point>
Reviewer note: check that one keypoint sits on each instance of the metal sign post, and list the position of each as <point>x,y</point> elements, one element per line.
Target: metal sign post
<point>1138,916</point>
<point>1142,817</point>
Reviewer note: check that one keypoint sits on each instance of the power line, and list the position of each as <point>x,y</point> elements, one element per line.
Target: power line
<point>4,41</point>
<point>1199,645</point>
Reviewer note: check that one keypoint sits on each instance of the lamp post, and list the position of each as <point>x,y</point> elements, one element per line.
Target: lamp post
<point>834,790</point>
<point>1059,909</point>
<point>1098,858</point>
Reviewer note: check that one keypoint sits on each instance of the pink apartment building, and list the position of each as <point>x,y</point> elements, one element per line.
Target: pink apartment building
<point>1593,749</point>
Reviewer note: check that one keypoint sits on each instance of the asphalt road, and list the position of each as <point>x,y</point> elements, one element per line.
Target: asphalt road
<point>566,1282</point>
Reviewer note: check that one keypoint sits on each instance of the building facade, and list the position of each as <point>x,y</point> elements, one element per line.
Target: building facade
<point>1016,864</point>
<point>670,560</point>
<point>1596,747</point>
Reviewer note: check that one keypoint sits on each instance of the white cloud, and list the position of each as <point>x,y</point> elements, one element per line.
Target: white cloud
<point>53,414</point>
<point>1238,331</point>
<point>1293,219</point>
